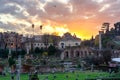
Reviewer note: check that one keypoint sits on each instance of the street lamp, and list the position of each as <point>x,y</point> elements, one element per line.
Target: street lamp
<point>32,39</point>
<point>33,30</point>
<point>41,28</point>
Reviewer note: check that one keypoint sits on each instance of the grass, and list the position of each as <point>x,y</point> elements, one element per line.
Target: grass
<point>81,75</point>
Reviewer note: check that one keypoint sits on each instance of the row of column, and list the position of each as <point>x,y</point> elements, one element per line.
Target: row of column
<point>72,54</point>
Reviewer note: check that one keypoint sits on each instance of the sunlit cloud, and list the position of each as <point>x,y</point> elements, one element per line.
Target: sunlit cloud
<point>19,8</point>
<point>89,17</point>
<point>64,1</point>
<point>5,18</point>
<point>70,7</point>
<point>2,30</point>
<point>26,13</point>
<point>58,29</point>
<point>104,7</point>
<point>99,1</point>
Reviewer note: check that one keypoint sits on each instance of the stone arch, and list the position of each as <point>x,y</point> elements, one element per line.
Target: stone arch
<point>62,45</point>
<point>77,54</point>
<point>66,54</point>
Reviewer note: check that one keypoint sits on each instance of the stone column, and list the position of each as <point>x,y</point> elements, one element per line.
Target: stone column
<point>69,54</point>
<point>100,41</point>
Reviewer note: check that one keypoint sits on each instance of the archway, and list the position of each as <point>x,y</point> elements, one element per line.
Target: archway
<point>77,54</point>
<point>66,54</point>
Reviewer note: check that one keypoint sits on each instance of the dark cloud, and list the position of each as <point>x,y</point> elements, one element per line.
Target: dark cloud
<point>57,11</point>
<point>82,6</point>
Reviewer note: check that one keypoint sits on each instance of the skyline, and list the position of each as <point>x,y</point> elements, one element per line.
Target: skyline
<point>82,17</point>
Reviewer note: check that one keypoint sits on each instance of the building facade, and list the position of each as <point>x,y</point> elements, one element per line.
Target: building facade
<point>35,42</point>
<point>117,28</point>
<point>76,52</point>
<point>11,40</point>
<point>69,41</point>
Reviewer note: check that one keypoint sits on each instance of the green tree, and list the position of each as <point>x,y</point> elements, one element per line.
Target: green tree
<point>23,52</point>
<point>11,61</point>
<point>4,53</point>
<point>41,50</point>
<point>37,50</point>
<point>45,54</point>
<point>105,41</point>
<point>51,50</point>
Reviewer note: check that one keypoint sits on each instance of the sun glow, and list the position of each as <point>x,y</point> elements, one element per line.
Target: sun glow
<point>60,30</point>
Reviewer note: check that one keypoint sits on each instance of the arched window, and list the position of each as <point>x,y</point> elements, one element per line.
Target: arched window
<point>76,44</point>
<point>67,55</point>
<point>62,45</point>
<point>77,54</point>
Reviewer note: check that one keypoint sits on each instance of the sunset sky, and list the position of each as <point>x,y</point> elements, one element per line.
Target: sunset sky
<point>82,17</point>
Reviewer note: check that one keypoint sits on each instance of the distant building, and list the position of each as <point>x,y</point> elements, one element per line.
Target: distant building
<point>38,42</point>
<point>35,42</point>
<point>11,40</point>
<point>76,52</point>
<point>2,42</point>
<point>68,40</point>
<point>117,28</point>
